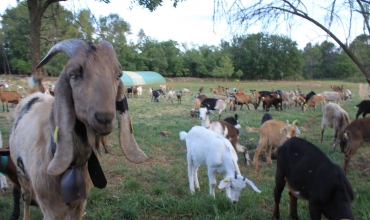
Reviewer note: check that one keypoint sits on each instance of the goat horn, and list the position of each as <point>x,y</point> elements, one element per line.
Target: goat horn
<point>294,122</point>
<point>67,46</point>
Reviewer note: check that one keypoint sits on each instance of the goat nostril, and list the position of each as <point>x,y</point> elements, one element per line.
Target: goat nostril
<point>104,118</point>
<point>234,202</point>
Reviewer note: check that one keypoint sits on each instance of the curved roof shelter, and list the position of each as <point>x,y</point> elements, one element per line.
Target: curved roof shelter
<point>130,78</point>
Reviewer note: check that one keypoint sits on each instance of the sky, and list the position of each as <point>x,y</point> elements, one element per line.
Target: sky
<point>191,22</point>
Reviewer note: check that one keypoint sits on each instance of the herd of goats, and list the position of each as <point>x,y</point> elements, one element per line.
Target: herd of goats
<point>52,158</point>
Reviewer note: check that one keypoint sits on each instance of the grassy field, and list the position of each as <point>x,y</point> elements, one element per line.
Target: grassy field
<point>159,189</point>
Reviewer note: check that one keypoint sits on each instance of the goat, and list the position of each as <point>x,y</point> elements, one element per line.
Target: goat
<point>135,92</point>
<point>333,96</point>
<point>218,96</point>
<point>170,95</point>
<point>334,117</point>
<point>187,91</point>
<point>194,112</point>
<point>205,147</point>
<point>337,88</point>
<point>308,96</point>
<point>213,104</point>
<point>274,99</point>
<point>233,121</point>
<point>242,99</point>
<point>55,153</point>
<point>163,87</point>
<point>219,90</point>
<point>155,96</point>
<point>348,94</point>
<point>8,167</point>
<point>225,129</point>
<point>363,107</point>
<point>311,175</point>
<point>201,90</point>
<point>352,137</point>
<point>139,90</point>
<point>150,93</point>
<point>161,92</point>
<point>9,97</point>
<point>179,96</point>
<point>266,117</point>
<point>313,101</point>
<point>272,133</point>
<point>129,91</point>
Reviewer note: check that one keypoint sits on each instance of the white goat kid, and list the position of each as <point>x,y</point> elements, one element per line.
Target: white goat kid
<point>205,147</point>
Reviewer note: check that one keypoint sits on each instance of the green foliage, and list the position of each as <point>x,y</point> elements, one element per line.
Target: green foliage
<point>239,73</point>
<point>225,68</point>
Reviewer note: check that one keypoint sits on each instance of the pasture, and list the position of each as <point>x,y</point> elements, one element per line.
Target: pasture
<point>159,188</point>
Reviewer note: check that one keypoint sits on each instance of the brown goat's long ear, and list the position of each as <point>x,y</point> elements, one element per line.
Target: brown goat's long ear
<point>62,120</point>
<point>127,141</point>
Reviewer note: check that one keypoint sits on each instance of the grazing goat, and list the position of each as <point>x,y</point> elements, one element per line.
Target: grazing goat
<point>333,96</point>
<point>129,91</point>
<point>311,175</point>
<point>225,129</point>
<point>155,96</point>
<point>170,96</point>
<point>55,153</point>
<point>363,107</point>
<point>348,94</point>
<point>313,101</point>
<point>201,90</point>
<point>273,133</point>
<point>337,88</point>
<point>205,147</point>
<point>187,91</point>
<point>242,99</point>
<point>139,90</point>
<point>9,97</point>
<point>308,96</point>
<point>213,104</point>
<point>194,112</point>
<point>219,90</point>
<point>266,117</point>
<point>273,99</point>
<point>352,137</point>
<point>334,117</point>
<point>179,96</point>
<point>163,87</point>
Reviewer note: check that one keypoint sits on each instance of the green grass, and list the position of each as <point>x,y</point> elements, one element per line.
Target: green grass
<point>159,189</point>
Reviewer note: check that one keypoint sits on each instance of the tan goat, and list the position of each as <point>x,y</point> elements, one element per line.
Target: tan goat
<point>314,101</point>
<point>273,133</point>
<point>9,97</point>
<point>54,141</point>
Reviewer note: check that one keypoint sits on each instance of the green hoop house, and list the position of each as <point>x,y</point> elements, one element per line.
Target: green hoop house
<point>130,78</point>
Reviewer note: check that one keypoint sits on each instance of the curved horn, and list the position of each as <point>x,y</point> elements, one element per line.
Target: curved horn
<point>294,122</point>
<point>66,46</point>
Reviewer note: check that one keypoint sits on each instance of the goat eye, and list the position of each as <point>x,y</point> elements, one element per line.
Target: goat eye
<point>72,75</point>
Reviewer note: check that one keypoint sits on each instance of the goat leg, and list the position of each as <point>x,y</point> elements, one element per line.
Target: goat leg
<point>293,206</point>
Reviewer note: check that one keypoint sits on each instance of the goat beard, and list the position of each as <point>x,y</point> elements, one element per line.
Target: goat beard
<point>95,140</point>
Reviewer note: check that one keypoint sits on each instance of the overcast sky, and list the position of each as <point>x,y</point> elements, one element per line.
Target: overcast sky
<point>190,22</point>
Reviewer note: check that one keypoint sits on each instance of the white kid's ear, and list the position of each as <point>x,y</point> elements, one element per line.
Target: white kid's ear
<point>223,183</point>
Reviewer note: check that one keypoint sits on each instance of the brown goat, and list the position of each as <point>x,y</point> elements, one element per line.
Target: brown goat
<point>201,90</point>
<point>352,137</point>
<point>55,153</point>
<point>337,88</point>
<point>179,96</point>
<point>273,133</point>
<point>243,99</point>
<point>196,105</point>
<point>9,97</point>
<point>313,101</point>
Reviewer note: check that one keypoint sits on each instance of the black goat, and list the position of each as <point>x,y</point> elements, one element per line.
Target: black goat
<point>309,95</point>
<point>266,117</point>
<point>213,104</point>
<point>363,107</point>
<point>311,175</point>
<point>129,91</point>
<point>155,96</point>
<point>233,121</point>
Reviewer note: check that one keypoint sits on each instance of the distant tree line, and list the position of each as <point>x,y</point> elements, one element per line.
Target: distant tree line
<point>248,57</point>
